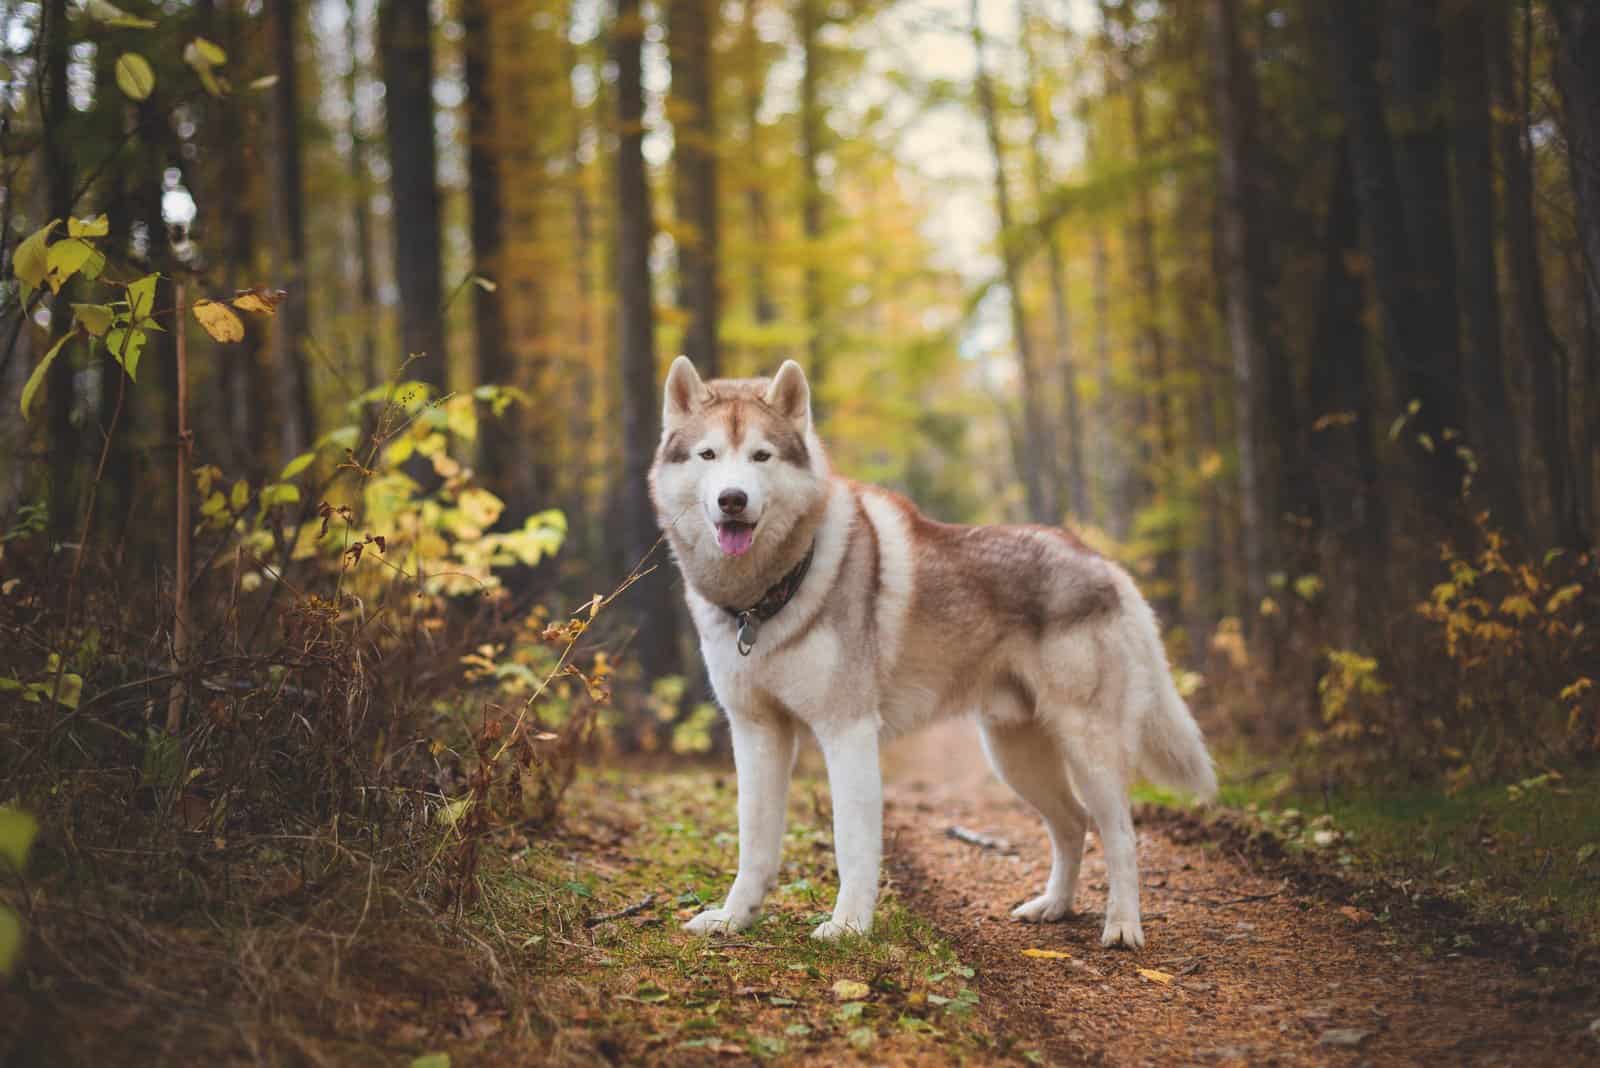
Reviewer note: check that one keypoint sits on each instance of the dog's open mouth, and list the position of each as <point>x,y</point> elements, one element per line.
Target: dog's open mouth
<point>735,538</point>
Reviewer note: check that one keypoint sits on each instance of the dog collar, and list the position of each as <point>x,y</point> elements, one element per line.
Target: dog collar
<point>771,603</point>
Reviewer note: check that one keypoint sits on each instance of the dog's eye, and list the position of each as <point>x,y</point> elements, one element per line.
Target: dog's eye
<point>708,454</point>
<point>761,456</point>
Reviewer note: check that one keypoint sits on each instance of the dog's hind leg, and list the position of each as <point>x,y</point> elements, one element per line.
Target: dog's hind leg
<point>1097,772</point>
<point>1027,759</point>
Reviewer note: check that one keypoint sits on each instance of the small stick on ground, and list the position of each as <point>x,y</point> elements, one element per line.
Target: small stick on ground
<point>621,914</point>
<point>982,841</point>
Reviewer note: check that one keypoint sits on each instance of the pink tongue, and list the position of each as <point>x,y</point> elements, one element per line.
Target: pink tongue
<point>735,538</point>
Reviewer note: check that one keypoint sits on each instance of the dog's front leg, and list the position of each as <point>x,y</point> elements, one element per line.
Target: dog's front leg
<point>856,782</point>
<point>763,753</point>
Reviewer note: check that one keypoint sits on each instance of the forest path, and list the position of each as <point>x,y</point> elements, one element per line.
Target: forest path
<point>1262,972</point>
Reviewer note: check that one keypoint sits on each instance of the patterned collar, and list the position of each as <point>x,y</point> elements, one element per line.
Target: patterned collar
<point>770,604</point>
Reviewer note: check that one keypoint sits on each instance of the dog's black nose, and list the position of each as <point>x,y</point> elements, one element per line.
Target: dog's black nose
<point>732,501</point>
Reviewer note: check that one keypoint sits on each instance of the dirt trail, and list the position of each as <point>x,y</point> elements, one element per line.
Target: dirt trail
<point>1264,974</point>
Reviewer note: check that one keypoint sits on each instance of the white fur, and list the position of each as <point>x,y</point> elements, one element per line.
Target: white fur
<point>1069,711</point>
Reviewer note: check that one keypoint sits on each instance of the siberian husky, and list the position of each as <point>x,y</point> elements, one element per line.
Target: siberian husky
<point>824,603</point>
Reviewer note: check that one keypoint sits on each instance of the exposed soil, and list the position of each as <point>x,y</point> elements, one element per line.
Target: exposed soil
<point>1265,967</point>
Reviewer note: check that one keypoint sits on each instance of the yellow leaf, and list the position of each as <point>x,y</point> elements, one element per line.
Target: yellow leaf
<point>99,226</point>
<point>1156,977</point>
<point>260,300</point>
<point>1518,606</point>
<point>218,320</point>
<point>36,380</point>
<point>850,990</point>
<point>1046,954</point>
<point>1578,688</point>
<point>134,76</point>
<point>31,260</point>
<point>1562,597</point>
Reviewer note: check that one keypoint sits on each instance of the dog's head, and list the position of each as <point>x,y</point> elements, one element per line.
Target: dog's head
<point>739,467</point>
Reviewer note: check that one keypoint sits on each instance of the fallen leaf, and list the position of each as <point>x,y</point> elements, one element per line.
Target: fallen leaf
<point>850,990</point>
<point>1359,917</point>
<point>1046,954</point>
<point>1156,977</point>
<point>1343,1037</point>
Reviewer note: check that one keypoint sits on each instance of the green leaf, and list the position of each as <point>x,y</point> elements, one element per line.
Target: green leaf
<point>99,226</point>
<point>65,259</point>
<point>210,51</point>
<point>142,297</point>
<point>95,318</point>
<point>36,379</point>
<point>17,831</point>
<point>239,496</point>
<point>10,939</point>
<point>31,260</point>
<point>279,493</point>
<point>112,15</point>
<point>126,346</point>
<point>297,465</point>
<point>344,437</point>
<point>134,76</point>
<point>70,690</point>
<point>652,993</point>
<point>431,1060</point>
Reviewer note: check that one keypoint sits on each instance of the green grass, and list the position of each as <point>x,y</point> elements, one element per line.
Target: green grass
<point>1525,851</point>
<point>644,989</point>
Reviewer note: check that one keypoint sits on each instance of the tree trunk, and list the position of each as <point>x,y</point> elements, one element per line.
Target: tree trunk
<point>1075,492</point>
<point>1153,346</point>
<point>499,456</point>
<point>59,380</point>
<point>407,49</point>
<point>1351,536</point>
<point>1114,510</point>
<point>691,24</point>
<point>291,375</point>
<point>762,308</point>
<point>1413,347</point>
<point>1496,436</point>
<point>1578,75</point>
<point>1247,282</point>
<point>1037,469</point>
<point>811,201</point>
<point>1541,348</point>
<point>366,285</point>
<point>656,644</point>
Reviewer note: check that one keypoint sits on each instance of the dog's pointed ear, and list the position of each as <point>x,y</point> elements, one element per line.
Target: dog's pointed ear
<point>790,395</point>
<point>685,392</point>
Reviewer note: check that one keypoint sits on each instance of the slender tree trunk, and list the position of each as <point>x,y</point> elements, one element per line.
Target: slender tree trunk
<point>691,24</point>
<point>407,48</point>
<point>57,122</point>
<point>1243,254</point>
<point>1075,492</point>
<point>656,644</point>
<point>1352,536</point>
<point>292,377</point>
<point>1578,75</point>
<point>1541,348</point>
<point>500,458</point>
<point>1112,510</point>
<point>361,211</point>
<point>1421,367</point>
<point>811,200</point>
<point>757,210</point>
<point>1496,435</point>
<point>1153,345</point>
<point>1037,469</point>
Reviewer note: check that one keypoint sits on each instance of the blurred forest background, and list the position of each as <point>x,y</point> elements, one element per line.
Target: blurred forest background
<point>333,331</point>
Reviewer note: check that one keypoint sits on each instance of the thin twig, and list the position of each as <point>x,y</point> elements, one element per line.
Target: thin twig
<point>621,914</point>
<point>982,841</point>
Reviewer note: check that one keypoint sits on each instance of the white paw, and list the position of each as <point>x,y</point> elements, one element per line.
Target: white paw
<point>1043,909</point>
<point>719,922</point>
<point>1122,933</point>
<point>834,930</point>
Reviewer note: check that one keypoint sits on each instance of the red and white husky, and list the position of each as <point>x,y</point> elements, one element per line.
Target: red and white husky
<point>835,606</point>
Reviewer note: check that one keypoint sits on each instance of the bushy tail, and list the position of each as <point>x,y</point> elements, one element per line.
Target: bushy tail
<point>1172,752</point>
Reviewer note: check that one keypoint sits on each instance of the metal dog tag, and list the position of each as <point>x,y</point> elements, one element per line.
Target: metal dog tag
<point>749,629</point>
